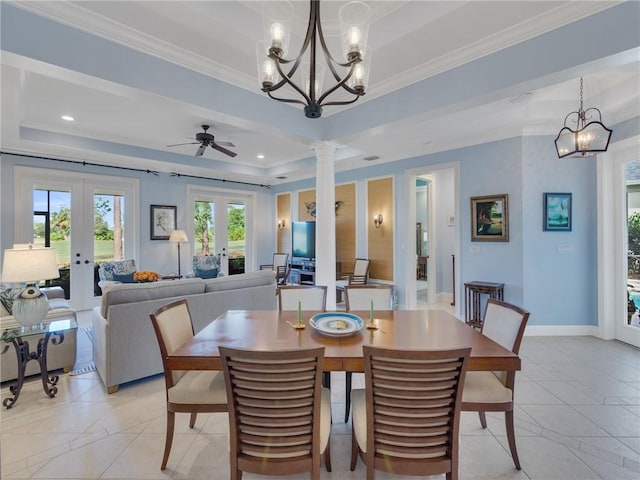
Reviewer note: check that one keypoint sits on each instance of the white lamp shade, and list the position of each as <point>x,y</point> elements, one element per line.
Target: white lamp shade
<point>29,263</point>
<point>178,236</point>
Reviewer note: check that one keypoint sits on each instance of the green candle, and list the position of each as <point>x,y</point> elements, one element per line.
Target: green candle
<point>299,310</point>
<point>371,312</point>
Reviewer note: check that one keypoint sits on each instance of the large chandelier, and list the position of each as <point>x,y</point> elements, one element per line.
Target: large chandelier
<point>276,71</point>
<point>586,139</point>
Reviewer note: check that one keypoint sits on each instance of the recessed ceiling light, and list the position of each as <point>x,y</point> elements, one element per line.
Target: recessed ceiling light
<point>260,156</point>
<point>371,158</point>
<point>68,118</point>
<point>281,177</point>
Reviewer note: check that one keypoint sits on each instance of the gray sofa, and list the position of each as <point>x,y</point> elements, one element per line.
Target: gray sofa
<point>125,347</point>
<point>60,356</point>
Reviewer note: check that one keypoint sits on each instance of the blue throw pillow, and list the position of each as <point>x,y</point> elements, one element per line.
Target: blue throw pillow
<point>211,273</point>
<point>124,278</point>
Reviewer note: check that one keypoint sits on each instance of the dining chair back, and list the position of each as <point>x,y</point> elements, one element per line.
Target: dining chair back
<point>279,415</point>
<point>486,391</point>
<point>311,297</point>
<point>280,265</point>
<point>406,420</point>
<point>186,391</point>
<point>359,297</point>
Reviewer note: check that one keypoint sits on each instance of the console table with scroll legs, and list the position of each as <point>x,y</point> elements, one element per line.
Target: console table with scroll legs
<point>19,336</point>
<point>473,296</point>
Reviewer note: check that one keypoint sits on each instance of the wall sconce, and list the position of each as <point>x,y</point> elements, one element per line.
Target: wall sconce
<point>281,224</point>
<point>377,220</point>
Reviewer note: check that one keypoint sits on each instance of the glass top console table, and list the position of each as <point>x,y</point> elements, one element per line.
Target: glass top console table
<point>52,331</point>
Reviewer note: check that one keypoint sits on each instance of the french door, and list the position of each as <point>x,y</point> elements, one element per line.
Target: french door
<point>86,218</point>
<point>221,226</point>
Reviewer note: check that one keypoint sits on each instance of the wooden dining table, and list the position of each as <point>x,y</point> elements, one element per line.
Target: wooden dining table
<point>398,329</point>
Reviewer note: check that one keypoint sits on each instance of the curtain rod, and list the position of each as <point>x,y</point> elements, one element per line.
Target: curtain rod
<point>132,169</point>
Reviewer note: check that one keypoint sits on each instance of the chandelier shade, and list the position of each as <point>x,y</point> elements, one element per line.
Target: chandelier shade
<point>589,137</point>
<point>304,73</point>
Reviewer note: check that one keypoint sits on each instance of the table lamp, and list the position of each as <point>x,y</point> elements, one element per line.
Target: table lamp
<point>178,236</point>
<point>27,263</point>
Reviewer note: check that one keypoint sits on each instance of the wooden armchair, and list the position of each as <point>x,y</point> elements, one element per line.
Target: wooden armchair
<point>192,392</point>
<point>359,276</point>
<point>279,414</point>
<point>406,420</point>
<point>280,265</point>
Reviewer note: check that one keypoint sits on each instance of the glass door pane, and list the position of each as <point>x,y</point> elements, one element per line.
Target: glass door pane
<point>236,237</point>
<point>632,170</point>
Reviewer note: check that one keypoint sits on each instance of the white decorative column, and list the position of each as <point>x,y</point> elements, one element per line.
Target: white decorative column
<point>326,221</point>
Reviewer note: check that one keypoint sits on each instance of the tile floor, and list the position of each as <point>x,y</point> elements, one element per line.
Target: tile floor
<point>577,417</point>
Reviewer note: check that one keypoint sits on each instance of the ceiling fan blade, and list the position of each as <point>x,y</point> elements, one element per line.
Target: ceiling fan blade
<point>178,144</point>
<point>223,150</point>
<point>226,144</point>
<point>201,150</point>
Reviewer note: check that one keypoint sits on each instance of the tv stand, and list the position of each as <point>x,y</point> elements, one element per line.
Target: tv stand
<point>302,272</point>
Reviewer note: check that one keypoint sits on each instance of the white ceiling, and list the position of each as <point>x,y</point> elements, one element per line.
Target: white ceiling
<point>128,115</point>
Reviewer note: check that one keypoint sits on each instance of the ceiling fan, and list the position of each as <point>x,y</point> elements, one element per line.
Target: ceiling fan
<point>206,139</point>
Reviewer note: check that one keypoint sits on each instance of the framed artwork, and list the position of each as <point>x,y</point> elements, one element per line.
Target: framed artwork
<point>163,221</point>
<point>490,218</point>
<point>557,212</point>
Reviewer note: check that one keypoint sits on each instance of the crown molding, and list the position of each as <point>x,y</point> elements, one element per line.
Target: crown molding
<point>76,16</point>
<point>562,15</point>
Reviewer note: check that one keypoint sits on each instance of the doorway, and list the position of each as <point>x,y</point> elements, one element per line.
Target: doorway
<point>86,218</point>
<point>615,274</point>
<point>432,203</point>
<point>221,227</point>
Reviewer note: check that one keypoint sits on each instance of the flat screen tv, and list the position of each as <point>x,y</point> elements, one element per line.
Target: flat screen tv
<point>303,240</point>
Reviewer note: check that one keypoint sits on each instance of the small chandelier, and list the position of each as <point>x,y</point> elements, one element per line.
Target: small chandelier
<point>275,71</point>
<point>588,138</point>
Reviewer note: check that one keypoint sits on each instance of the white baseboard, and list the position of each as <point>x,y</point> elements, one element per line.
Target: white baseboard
<point>560,330</point>
<point>445,298</point>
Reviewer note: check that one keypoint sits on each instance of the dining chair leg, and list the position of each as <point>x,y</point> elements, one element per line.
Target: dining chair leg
<point>171,417</point>
<point>326,380</point>
<point>192,419</point>
<point>327,456</point>
<point>347,400</point>
<point>511,437</point>
<point>354,450</point>
<point>483,419</point>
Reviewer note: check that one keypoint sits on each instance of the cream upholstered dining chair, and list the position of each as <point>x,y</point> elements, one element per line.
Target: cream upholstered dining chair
<point>486,391</point>
<point>311,297</point>
<point>359,297</point>
<point>279,414</point>
<point>280,265</point>
<point>186,391</point>
<point>406,420</point>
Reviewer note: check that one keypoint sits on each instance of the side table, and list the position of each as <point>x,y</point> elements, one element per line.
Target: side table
<point>473,294</point>
<point>19,337</point>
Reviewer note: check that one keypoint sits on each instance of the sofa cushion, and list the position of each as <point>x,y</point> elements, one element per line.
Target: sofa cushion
<point>123,277</point>
<point>140,292</point>
<point>244,280</point>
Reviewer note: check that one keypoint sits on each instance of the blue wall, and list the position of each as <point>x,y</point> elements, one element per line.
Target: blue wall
<point>552,274</point>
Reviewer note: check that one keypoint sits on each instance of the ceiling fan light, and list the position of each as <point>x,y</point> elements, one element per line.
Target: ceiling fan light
<point>355,18</point>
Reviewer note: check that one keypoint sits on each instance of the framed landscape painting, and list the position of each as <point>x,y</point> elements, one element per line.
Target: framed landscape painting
<point>557,212</point>
<point>490,218</point>
<point>163,221</point>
